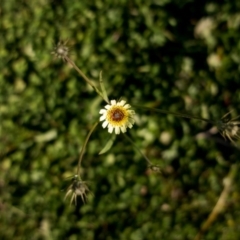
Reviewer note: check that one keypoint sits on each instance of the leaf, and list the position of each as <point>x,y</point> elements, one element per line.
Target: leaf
<point>103,88</point>
<point>108,144</point>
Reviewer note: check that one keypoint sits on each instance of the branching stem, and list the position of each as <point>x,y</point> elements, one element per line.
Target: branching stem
<point>137,148</point>
<point>175,113</point>
<point>84,77</point>
<point>84,147</point>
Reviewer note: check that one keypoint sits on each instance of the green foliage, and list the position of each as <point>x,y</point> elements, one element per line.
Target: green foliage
<point>181,56</point>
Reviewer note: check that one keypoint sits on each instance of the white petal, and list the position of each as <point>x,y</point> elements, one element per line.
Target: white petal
<point>110,128</point>
<point>103,111</point>
<point>102,118</point>
<point>131,120</point>
<point>129,125</point>
<point>127,106</point>
<point>113,102</point>
<point>105,124</point>
<point>131,112</point>
<point>117,130</point>
<point>108,106</point>
<point>121,103</point>
<point>123,129</point>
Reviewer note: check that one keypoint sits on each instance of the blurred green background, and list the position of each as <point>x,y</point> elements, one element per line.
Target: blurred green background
<point>175,55</point>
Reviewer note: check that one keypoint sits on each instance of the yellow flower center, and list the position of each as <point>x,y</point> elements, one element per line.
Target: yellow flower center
<point>117,116</point>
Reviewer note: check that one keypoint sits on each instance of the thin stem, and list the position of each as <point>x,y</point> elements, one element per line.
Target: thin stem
<point>84,147</point>
<point>85,77</point>
<point>175,114</point>
<point>136,147</point>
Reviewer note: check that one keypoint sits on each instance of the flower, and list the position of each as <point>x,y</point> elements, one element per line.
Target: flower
<point>78,187</point>
<point>61,50</point>
<point>229,128</point>
<point>117,116</point>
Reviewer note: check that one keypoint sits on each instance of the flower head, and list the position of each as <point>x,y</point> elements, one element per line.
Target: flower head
<point>229,128</point>
<point>118,116</point>
<point>77,188</point>
<point>61,50</point>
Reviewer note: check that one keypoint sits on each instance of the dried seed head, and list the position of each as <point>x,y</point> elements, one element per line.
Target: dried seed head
<point>61,50</point>
<point>229,128</point>
<point>77,188</point>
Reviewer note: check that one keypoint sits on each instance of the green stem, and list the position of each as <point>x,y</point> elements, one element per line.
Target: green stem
<point>85,77</point>
<point>136,147</point>
<point>84,147</point>
<point>175,113</point>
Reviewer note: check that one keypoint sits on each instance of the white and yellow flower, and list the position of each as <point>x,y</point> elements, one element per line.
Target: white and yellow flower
<point>118,116</point>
